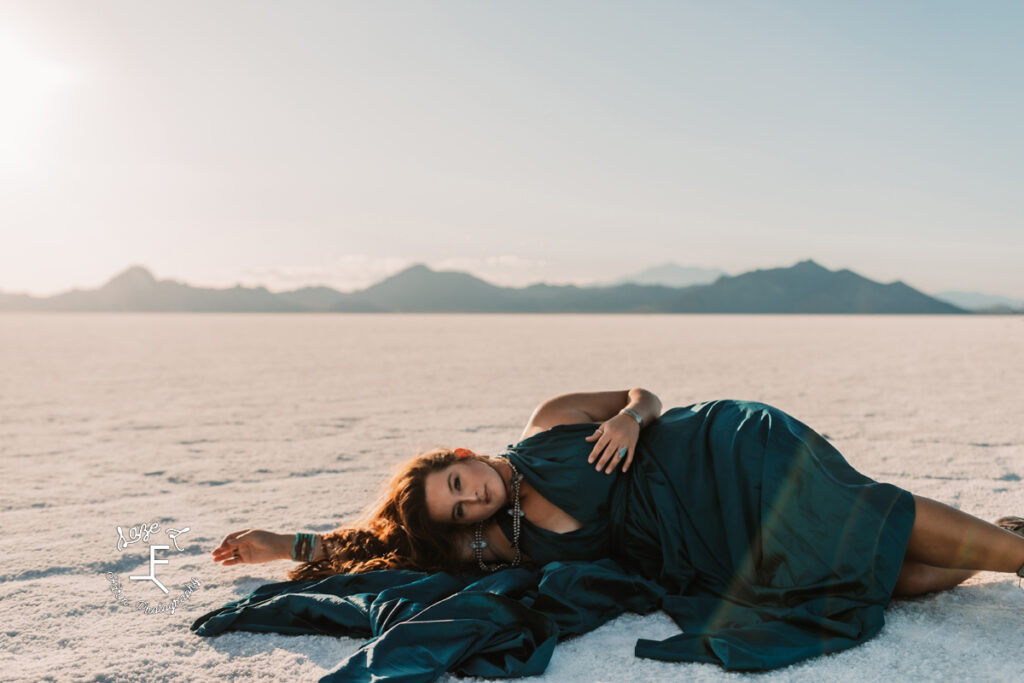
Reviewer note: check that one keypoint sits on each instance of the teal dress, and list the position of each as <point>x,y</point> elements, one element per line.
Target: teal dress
<point>743,524</point>
<point>772,548</point>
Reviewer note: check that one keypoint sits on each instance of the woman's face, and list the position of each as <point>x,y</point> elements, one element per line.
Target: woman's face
<point>465,492</point>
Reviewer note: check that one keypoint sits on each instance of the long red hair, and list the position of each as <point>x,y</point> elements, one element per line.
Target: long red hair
<point>394,532</point>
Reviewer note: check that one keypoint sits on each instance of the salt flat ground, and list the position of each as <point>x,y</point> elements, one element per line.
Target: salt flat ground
<point>290,422</point>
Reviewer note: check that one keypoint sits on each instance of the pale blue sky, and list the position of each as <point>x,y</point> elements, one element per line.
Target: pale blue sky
<point>294,143</point>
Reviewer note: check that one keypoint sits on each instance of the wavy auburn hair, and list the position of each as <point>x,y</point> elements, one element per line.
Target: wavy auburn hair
<point>395,531</point>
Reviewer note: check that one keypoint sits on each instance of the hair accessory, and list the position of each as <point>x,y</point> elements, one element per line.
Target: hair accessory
<point>463,453</point>
<point>479,543</point>
<point>302,550</point>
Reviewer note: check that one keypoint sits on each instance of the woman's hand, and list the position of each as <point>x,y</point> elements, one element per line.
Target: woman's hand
<point>621,430</point>
<point>249,546</point>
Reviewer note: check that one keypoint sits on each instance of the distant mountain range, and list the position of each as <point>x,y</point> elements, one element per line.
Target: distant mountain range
<point>982,303</point>
<point>805,287</point>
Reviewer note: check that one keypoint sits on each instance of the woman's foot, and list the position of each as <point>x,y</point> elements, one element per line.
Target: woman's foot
<point>1014,524</point>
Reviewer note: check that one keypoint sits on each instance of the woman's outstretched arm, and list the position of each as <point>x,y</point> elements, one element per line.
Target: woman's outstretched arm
<point>254,546</point>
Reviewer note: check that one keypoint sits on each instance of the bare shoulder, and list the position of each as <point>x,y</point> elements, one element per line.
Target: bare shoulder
<point>547,416</point>
<point>573,408</point>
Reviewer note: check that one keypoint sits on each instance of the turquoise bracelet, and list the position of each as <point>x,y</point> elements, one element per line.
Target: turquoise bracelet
<point>303,548</point>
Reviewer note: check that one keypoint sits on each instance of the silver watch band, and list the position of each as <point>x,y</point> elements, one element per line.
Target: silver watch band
<point>636,415</point>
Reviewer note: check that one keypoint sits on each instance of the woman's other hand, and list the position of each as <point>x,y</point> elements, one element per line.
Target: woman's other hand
<point>621,430</point>
<point>249,546</point>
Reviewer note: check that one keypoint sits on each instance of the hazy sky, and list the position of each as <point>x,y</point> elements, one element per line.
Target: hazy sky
<point>291,143</point>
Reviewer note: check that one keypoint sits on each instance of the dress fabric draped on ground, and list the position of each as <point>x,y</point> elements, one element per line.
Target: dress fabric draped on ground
<point>746,526</point>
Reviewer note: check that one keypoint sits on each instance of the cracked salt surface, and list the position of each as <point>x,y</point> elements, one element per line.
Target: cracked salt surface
<point>250,415</point>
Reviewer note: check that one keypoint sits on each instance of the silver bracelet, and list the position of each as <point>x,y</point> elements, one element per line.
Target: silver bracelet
<point>636,416</point>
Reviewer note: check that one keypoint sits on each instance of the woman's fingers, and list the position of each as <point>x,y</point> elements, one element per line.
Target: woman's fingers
<point>601,451</point>
<point>227,555</point>
<point>606,453</point>
<point>616,458</point>
<point>250,546</point>
<point>225,552</point>
<point>595,450</point>
<point>598,453</point>
<point>606,460</point>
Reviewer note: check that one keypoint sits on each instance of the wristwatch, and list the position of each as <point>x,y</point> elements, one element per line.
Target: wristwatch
<point>636,416</point>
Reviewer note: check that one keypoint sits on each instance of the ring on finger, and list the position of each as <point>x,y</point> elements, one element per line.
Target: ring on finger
<point>622,452</point>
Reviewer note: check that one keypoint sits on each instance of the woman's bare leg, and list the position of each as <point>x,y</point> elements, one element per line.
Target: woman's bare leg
<point>945,537</point>
<point>917,578</point>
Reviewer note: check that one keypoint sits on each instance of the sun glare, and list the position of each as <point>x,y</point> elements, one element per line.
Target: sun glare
<point>29,89</point>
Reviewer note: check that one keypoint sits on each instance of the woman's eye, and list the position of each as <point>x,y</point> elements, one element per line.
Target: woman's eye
<point>457,484</point>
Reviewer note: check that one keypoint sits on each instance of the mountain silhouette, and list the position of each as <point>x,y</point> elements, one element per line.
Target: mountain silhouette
<point>667,274</point>
<point>977,301</point>
<point>805,287</point>
<point>136,277</point>
<point>420,289</point>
